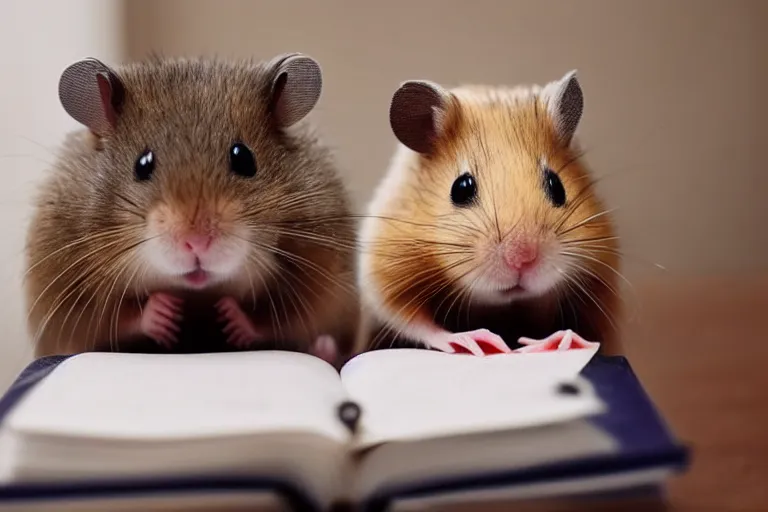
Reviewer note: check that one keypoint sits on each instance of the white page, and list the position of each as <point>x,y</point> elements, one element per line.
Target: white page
<point>413,393</point>
<point>147,397</point>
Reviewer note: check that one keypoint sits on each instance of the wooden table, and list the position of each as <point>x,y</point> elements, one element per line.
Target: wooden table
<point>701,349</point>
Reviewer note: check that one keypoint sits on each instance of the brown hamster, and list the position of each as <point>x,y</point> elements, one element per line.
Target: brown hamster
<point>188,209</point>
<point>486,227</point>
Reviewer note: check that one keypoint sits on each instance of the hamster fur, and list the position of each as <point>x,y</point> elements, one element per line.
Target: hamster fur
<point>187,208</point>
<point>486,226</point>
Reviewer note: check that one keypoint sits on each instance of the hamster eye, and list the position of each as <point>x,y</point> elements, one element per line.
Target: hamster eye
<point>554,188</point>
<point>144,165</point>
<point>464,190</point>
<point>241,161</point>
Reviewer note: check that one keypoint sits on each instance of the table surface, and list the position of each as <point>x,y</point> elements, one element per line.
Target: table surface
<point>701,351</point>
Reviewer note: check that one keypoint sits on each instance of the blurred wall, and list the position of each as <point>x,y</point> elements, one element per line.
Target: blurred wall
<point>38,39</point>
<point>675,105</point>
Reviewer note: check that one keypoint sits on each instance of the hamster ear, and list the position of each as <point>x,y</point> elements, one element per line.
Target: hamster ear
<point>565,102</point>
<point>92,94</point>
<point>418,113</point>
<point>296,85</point>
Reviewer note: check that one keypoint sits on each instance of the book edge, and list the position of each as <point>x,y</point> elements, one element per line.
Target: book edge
<point>29,377</point>
<point>30,493</point>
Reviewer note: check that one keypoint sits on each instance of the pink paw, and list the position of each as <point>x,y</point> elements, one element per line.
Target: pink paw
<point>325,348</point>
<point>561,340</point>
<point>479,342</point>
<point>240,331</point>
<point>160,318</point>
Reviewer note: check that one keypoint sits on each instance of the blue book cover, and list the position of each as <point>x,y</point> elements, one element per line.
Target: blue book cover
<point>645,443</point>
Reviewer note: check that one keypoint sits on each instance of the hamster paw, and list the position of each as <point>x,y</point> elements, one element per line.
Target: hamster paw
<point>561,340</point>
<point>160,318</point>
<point>240,331</point>
<point>477,342</point>
<point>325,348</point>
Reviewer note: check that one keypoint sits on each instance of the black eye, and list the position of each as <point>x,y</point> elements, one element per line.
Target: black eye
<point>241,161</point>
<point>554,188</point>
<point>144,165</point>
<point>464,190</point>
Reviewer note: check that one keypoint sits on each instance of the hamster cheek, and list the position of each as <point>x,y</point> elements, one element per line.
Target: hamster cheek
<point>483,282</point>
<point>550,271</point>
<point>159,252</point>
<point>228,256</point>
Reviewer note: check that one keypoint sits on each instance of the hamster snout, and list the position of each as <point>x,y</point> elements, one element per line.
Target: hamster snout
<point>520,265</point>
<point>521,254</point>
<point>530,260</point>
<point>199,244</point>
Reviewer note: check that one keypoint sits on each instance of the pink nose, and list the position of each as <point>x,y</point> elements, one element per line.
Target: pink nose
<point>521,255</point>
<point>197,243</point>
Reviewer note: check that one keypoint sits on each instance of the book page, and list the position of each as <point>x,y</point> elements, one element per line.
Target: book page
<point>150,397</point>
<point>408,394</point>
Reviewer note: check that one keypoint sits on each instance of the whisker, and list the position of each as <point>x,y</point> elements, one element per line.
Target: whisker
<point>411,279</point>
<point>276,318</point>
<point>571,160</point>
<point>599,262</point>
<point>596,248</point>
<point>307,310</point>
<point>66,270</point>
<point>583,269</point>
<point>107,260</point>
<point>131,203</point>
<point>88,238</point>
<point>395,263</point>
<point>325,220</point>
<point>284,275</point>
<point>250,281</point>
<point>587,220</point>
<point>465,292</point>
<point>572,292</point>
<point>121,268</point>
<point>302,263</point>
<point>395,251</point>
<point>61,298</point>
<point>581,197</point>
<point>577,241</point>
<point>132,261</point>
<point>86,281</point>
<point>324,241</point>
<point>427,293</point>
<point>591,297</point>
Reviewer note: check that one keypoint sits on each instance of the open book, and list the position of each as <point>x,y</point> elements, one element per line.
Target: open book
<point>272,420</point>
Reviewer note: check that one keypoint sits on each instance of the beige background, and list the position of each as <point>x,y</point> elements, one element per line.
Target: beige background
<point>674,91</point>
<point>38,39</point>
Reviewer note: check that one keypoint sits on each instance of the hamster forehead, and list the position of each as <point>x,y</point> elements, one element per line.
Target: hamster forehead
<point>204,105</point>
<point>505,139</point>
<point>189,114</point>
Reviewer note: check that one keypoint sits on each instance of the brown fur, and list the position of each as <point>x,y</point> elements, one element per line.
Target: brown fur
<point>83,269</point>
<point>417,236</point>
